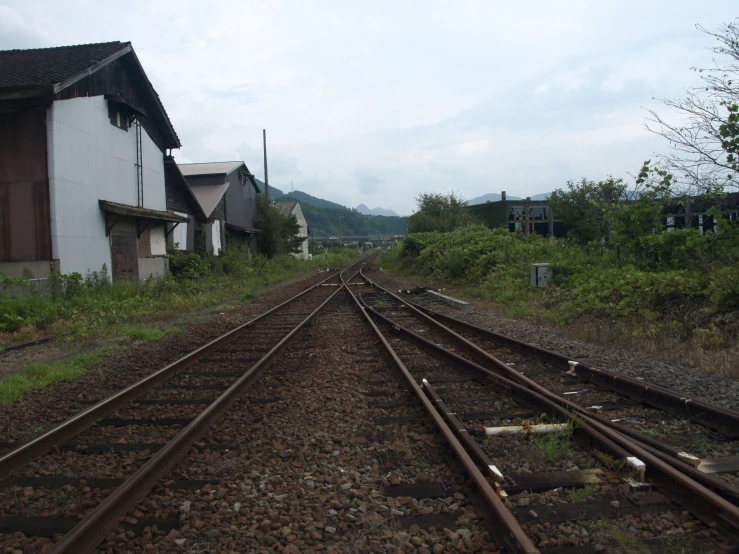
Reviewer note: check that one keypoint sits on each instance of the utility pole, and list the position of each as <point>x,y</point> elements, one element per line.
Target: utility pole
<point>266,176</point>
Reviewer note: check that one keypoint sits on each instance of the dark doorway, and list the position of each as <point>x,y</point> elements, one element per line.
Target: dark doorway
<point>24,196</point>
<point>125,257</point>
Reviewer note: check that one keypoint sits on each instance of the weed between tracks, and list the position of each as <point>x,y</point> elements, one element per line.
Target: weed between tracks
<point>550,446</point>
<point>38,375</point>
<point>628,541</point>
<point>581,495</point>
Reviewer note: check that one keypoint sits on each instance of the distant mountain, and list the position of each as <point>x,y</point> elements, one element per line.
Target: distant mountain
<point>326,222</point>
<point>542,196</point>
<point>364,210</point>
<point>302,197</point>
<point>326,218</point>
<point>305,198</point>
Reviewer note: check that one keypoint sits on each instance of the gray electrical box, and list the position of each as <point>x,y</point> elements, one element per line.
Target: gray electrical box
<point>541,274</point>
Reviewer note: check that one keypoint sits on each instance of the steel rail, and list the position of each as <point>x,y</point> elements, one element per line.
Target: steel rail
<point>652,394</point>
<point>517,390</point>
<point>92,530</point>
<point>71,427</point>
<point>729,510</point>
<point>511,531</point>
<point>625,435</point>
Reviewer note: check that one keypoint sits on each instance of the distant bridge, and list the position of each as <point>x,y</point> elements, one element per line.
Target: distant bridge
<point>358,238</point>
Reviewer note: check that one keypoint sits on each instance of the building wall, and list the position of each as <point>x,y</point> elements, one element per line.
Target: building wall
<point>241,201</point>
<point>91,160</point>
<point>155,266</point>
<point>304,251</point>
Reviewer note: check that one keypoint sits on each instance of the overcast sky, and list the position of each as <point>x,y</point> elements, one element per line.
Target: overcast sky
<point>375,102</point>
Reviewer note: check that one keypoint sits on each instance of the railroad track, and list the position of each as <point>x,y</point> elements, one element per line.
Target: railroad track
<point>83,476</point>
<point>472,392</point>
<point>143,466</point>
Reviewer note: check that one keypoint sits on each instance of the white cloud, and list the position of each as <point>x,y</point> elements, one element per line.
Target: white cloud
<point>375,102</point>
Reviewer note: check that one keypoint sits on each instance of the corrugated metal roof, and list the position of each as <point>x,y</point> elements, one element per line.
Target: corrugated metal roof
<point>210,168</point>
<point>208,196</point>
<point>286,208</point>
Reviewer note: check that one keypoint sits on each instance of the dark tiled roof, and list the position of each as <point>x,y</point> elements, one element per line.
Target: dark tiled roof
<point>48,66</point>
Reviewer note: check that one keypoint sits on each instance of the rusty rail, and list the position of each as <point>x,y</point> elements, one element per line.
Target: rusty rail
<point>660,450</point>
<point>717,499</point>
<point>89,532</point>
<point>651,394</point>
<point>511,531</point>
<point>71,427</point>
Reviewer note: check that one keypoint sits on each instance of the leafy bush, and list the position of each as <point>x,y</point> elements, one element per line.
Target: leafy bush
<point>440,212</point>
<point>188,265</point>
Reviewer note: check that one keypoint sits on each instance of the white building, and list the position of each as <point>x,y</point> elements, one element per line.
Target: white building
<point>84,179</point>
<point>292,207</point>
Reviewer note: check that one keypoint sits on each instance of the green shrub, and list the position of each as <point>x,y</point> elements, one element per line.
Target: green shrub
<point>673,270</point>
<point>187,265</point>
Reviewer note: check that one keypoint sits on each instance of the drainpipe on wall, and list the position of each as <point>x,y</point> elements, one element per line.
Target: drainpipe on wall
<point>48,189</point>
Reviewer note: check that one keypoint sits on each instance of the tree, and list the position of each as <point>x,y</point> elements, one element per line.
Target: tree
<point>584,207</point>
<point>440,212</point>
<point>279,232</point>
<point>705,138</point>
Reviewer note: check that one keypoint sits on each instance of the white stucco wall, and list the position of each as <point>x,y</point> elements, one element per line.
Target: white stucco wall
<point>304,249</point>
<point>91,160</point>
<point>216,237</point>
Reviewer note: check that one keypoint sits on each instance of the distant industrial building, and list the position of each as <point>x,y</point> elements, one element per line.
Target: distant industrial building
<point>527,216</point>
<point>536,216</point>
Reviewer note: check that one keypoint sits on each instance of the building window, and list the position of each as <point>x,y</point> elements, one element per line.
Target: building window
<point>118,118</point>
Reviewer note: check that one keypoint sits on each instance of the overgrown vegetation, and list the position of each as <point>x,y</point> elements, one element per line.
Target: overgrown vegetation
<point>680,283</point>
<point>82,308</point>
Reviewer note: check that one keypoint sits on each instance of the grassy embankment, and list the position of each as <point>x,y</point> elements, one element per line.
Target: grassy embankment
<point>83,311</point>
<point>679,300</point>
